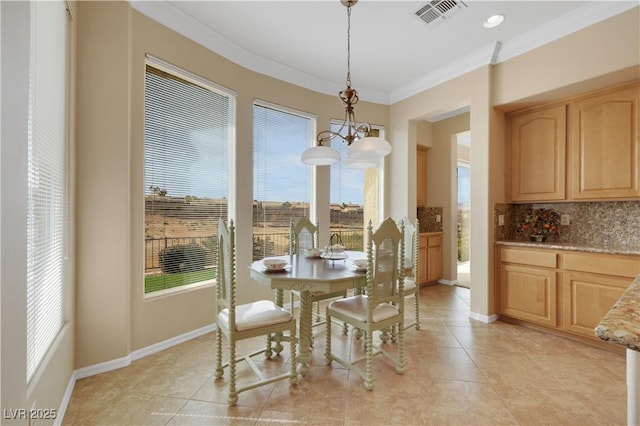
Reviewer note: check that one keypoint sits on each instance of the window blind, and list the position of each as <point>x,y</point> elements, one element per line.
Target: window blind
<point>47,208</point>
<point>281,182</point>
<point>188,131</point>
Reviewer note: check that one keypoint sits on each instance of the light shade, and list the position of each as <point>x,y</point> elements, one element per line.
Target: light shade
<point>352,163</point>
<point>320,155</point>
<point>370,148</point>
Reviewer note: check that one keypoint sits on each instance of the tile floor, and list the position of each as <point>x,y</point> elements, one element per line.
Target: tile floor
<point>458,372</point>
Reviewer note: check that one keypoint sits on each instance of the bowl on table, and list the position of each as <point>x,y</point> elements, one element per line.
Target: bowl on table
<point>313,252</point>
<point>360,264</point>
<point>274,264</point>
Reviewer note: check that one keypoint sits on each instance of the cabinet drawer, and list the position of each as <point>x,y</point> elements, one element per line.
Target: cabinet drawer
<point>547,259</point>
<point>622,266</point>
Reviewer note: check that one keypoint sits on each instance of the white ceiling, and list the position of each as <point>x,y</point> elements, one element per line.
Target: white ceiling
<point>394,54</point>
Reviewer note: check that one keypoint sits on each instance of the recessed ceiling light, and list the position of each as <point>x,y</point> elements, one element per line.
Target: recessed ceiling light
<point>493,21</point>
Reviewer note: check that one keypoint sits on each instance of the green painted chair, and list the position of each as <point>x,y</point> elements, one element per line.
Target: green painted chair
<point>245,321</point>
<point>381,308</point>
<point>411,285</point>
<point>303,235</point>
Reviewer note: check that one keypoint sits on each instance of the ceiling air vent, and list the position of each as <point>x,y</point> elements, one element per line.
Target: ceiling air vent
<point>437,11</point>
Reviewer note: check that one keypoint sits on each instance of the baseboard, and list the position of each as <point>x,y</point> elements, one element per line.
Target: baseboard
<point>166,344</point>
<point>65,400</point>
<point>488,319</point>
<point>448,282</point>
<point>125,361</point>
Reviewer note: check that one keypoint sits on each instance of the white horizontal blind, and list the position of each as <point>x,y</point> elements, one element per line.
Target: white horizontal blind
<point>188,129</point>
<point>47,209</point>
<point>281,182</point>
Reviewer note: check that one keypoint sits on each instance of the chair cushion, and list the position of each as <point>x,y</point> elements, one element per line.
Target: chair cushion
<point>254,315</point>
<point>409,285</point>
<point>356,307</point>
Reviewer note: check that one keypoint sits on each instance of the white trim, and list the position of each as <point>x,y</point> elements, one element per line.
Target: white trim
<point>282,108</point>
<point>488,319</point>
<point>165,344</point>
<point>175,19</point>
<point>125,361</point>
<point>448,282</point>
<point>590,14</point>
<point>189,76</point>
<point>64,404</point>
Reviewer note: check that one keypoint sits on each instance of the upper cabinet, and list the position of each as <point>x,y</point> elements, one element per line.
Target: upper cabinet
<point>538,146</point>
<point>584,149</point>
<point>421,176</point>
<point>604,145</point>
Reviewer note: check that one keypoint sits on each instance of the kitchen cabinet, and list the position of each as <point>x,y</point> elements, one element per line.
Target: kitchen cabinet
<point>604,144</point>
<point>528,286</point>
<point>584,148</point>
<point>537,158</point>
<point>421,176</point>
<point>430,262</point>
<point>591,285</point>
<point>567,291</point>
<point>434,258</point>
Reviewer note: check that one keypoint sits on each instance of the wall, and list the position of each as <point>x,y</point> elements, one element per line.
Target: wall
<point>114,318</point>
<point>441,182</point>
<point>471,89</point>
<point>51,378</point>
<point>603,54</point>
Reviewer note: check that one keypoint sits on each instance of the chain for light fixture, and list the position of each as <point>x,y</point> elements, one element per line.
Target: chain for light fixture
<point>364,150</point>
<point>349,98</point>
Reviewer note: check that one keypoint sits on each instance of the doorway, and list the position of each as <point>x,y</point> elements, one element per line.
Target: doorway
<point>463,241</point>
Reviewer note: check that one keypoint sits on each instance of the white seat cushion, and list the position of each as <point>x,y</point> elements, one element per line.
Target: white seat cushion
<point>409,285</point>
<point>356,307</point>
<point>255,315</point>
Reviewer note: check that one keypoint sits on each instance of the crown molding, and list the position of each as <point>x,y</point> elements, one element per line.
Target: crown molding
<point>168,15</point>
<point>590,14</point>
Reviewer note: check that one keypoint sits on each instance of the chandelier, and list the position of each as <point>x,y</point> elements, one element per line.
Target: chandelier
<point>365,148</point>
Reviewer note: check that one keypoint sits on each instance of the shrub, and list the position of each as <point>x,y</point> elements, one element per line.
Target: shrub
<point>183,258</point>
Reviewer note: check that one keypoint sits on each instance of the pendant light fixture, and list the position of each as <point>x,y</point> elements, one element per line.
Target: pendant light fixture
<point>364,150</point>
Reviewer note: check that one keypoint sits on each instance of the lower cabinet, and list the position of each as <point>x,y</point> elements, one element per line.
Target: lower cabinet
<point>430,252</point>
<point>529,293</point>
<point>565,290</point>
<point>587,298</point>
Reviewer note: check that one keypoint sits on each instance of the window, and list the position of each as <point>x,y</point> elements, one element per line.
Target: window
<point>188,131</point>
<point>281,182</point>
<point>47,196</point>
<point>354,197</point>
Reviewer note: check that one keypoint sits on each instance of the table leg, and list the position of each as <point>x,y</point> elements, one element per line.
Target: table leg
<point>304,352</point>
<point>278,336</point>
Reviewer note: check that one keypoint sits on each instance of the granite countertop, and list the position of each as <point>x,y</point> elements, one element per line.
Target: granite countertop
<point>621,325</point>
<point>631,250</point>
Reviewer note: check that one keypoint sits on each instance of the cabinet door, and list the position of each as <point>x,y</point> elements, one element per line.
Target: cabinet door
<point>528,293</point>
<point>421,175</point>
<point>538,150</point>
<point>587,298</point>
<point>604,145</point>
<point>423,265</point>
<point>434,256</point>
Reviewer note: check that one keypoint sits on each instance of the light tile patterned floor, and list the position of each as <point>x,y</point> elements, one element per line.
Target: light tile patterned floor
<point>458,372</point>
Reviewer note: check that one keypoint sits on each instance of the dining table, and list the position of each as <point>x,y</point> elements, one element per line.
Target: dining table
<point>307,274</point>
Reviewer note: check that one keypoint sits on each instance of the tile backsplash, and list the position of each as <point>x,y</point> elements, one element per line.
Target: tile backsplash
<point>427,217</point>
<point>602,223</point>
